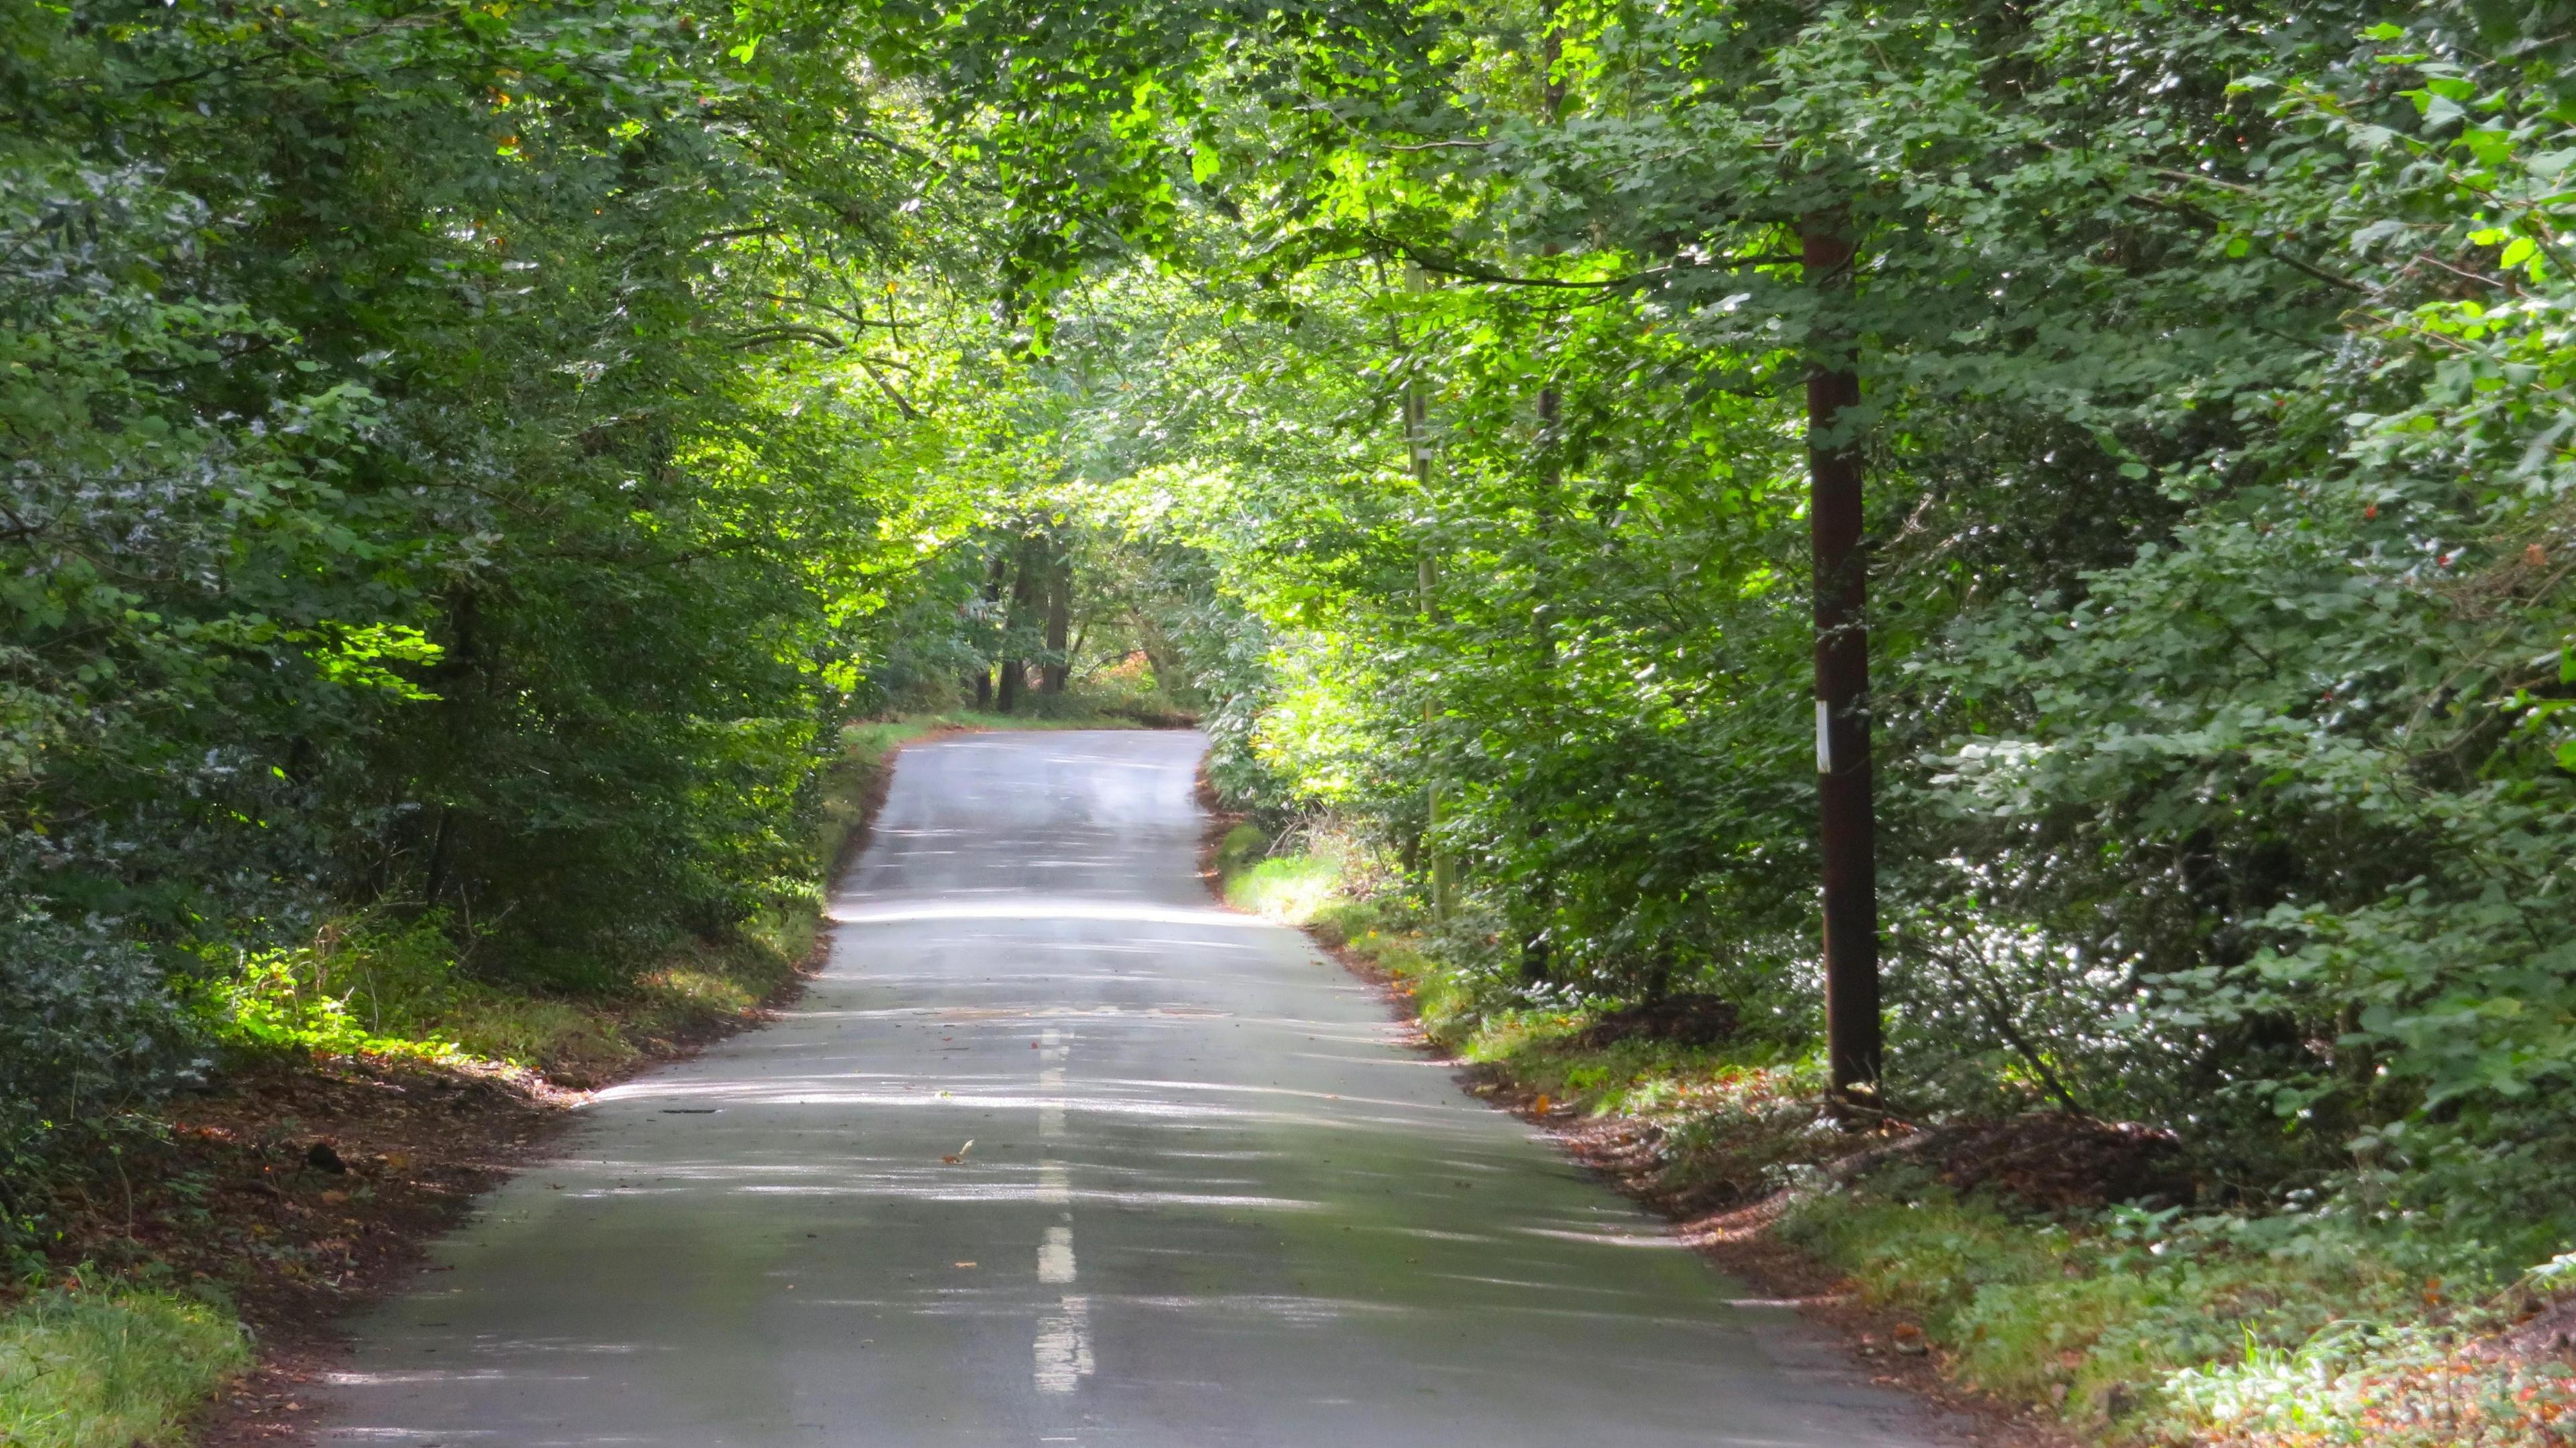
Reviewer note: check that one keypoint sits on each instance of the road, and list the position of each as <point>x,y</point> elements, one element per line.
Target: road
<point>1055,1151</point>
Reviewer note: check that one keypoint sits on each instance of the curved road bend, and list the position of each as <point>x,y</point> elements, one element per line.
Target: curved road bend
<point>1211,1199</point>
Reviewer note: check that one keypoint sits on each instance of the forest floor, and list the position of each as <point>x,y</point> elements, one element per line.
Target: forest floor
<point>192,1267</point>
<point>2042,1274</point>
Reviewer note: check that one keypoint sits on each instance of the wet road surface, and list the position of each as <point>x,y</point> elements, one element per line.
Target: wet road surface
<point>1210,1197</point>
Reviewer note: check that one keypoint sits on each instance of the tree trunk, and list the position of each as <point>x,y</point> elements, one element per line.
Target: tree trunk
<point>1171,678</point>
<point>1024,588</point>
<point>994,578</point>
<point>1059,621</point>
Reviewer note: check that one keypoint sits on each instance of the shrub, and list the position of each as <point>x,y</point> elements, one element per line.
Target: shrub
<point>87,1024</point>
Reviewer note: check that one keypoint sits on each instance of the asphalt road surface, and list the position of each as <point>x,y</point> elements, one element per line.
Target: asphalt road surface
<point>1056,1151</point>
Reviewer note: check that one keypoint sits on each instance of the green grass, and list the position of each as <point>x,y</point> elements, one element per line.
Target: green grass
<point>2384,1387</point>
<point>2037,1311</point>
<point>1314,889</point>
<point>1243,847</point>
<point>2215,1330</point>
<point>397,989</point>
<point>111,1368</point>
<point>1289,889</point>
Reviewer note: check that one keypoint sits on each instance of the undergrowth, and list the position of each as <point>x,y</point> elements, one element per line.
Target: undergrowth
<point>402,987</point>
<point>2216,1328</point>
<point>2171,1326</point>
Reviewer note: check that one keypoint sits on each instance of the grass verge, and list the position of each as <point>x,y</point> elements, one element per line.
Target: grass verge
<point>110,1368</point>
<point>367,987</point>
<point>2010,1258</point>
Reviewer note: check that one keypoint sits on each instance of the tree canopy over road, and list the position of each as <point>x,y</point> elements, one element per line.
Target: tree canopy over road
<point>466,462</point>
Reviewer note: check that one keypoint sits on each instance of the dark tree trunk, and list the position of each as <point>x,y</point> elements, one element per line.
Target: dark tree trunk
<point>460,680</point>
<point>994,578</point>
<point>1024,588</point>
<point>1163,657</point>
<point>436,880</point>
<point>1059,622</point>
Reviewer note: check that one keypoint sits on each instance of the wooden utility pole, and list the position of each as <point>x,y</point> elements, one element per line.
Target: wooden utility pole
<point>1846,815</point>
